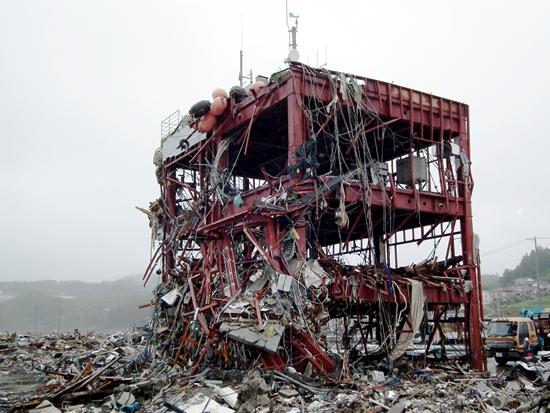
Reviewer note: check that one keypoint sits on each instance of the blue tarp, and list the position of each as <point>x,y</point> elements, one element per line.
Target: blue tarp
<point>530,312</point>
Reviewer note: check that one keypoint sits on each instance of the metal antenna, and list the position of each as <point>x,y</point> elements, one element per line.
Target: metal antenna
<point>242,77</point>
<point>293,55</point>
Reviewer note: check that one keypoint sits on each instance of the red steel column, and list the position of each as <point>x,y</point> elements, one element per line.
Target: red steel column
<point>170,198</point>
<point>296,138</point>
<point>473,309</point>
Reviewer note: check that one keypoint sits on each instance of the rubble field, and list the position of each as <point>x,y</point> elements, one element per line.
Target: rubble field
<point>123,372</point>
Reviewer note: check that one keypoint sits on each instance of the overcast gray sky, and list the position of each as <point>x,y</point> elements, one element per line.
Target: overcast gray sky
<point>85,84</point>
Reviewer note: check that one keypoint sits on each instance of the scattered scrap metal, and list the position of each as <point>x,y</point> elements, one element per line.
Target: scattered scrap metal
<point>101,374</point>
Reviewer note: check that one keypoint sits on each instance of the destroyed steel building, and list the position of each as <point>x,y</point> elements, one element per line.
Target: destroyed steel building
<point>284,212</point>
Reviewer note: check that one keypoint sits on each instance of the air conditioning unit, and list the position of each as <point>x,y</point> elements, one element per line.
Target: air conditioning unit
<point>419,168</point>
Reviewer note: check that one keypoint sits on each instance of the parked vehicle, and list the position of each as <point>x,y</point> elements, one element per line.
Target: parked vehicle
<point>506,337</point>
<point>542,324</point>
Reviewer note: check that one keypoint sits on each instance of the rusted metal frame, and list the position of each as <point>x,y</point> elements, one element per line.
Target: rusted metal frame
<point>273,239</point>
<point>182,339</point>
<point>184,249</point>
<point>372,129</point>
<point>421,111</point>
<point>388,100</point>
<point>402,112</point>
<point>249,130</point>
<point>325,123</point>
<point>352,229</point>
<point>296,137</point>
<point>196,152</point>
<point>461,284</point>
<point>228,219</point>
<point>369,81</point>
<point>230,266</point>
<point>201,309</point>
<point>205,293</point>
<point>196,307</point>
<point>393,187</point>
<point>421,232</point>
<point>375,100</point>
<point>441,171</point>
<point>262,165</point>
<point>442,338</point>
<point>432,228</point>
<point>169,199</point>
<point>363,336</point>
<point>414,239</point>
<point>269,259</point>
<point>361,248</point>
<point>431,118</point>
<point>417,138</point>
<point>181,158</point>
<point>84,381</point>
<point>411,152</point>
<point>244,111</point>
<point>352,190</point>
<point>236,221</point>
<point>429,202</point>
<point>207,269</point>
<point>152,262</point>
<point>451,244</point>
<point>311,350</point>
<point>186,186</point>
<point>202,354</point>
<point>273,361</point>
<point>438,312</point>
<point>378,93</point>
<point>441,142</point>
<point>400,226</point>
<point>258,311</point>
<point>477,352</point>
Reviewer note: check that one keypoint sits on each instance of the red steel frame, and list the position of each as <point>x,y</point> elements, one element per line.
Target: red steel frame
<point>429,119</point>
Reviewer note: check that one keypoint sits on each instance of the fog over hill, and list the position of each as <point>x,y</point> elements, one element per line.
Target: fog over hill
<point>43,306</point>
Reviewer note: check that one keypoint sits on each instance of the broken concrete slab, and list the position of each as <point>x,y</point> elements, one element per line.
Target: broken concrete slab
<point>397,408</point>
<point>45,407</point>
<point>228,394</point>
<point>267,340</point>
<point>288,392</point>
<point>200,403</point>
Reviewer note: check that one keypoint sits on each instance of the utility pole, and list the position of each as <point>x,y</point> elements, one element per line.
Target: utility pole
<point>35,320</point>
<point>59,318</point>
<point>534,239</point>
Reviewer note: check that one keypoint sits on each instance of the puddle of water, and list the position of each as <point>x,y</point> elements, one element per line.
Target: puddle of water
<point>17,382</point>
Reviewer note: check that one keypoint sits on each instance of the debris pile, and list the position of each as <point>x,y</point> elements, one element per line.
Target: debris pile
<point>112,374</point>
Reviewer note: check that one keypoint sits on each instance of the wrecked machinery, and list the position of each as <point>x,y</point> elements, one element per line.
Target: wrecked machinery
<point>289,214</point>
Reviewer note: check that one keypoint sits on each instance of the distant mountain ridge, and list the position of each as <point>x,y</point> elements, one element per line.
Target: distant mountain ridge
<point>527,267</point>
<point>44,306</point>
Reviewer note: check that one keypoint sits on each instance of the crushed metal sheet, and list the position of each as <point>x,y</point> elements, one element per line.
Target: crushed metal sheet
<point>268,339</point>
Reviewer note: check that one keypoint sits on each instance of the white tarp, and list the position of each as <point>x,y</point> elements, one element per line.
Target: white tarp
<point>415,316</point>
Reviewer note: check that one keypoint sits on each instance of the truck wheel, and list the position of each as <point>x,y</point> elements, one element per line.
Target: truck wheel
<point>501,361</point>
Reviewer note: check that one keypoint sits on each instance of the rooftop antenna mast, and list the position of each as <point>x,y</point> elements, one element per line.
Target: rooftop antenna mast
<point>293,55</point>
<point>242,77</point>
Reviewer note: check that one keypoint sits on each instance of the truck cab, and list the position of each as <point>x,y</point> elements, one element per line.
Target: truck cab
<point>505,338</point>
